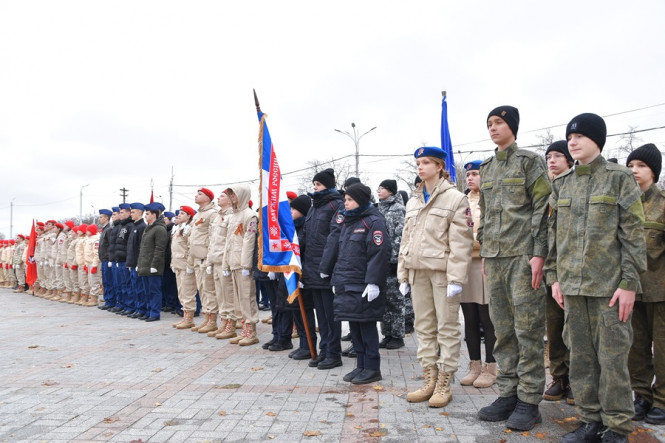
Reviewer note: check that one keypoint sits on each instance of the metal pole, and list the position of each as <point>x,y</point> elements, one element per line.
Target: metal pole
<point>11,219</point>
<point>81,204</point>
<point>171,191</point>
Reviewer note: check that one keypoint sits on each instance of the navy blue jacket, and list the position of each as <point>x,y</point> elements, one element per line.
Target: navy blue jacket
<point>134,242</point>
<point>315,235</point>
<point>361,257</point>
<point>121,240</point>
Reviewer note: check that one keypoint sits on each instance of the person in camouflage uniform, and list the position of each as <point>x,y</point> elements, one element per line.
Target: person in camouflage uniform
<point>646,359</point>
<point>392,208</point>
<point>19,262</point>
<point>514,191</point>
<point>596,253</point>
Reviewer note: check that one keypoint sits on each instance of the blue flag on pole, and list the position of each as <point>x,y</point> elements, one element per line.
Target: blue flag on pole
<point>446,144</point>
<point>279,250</point>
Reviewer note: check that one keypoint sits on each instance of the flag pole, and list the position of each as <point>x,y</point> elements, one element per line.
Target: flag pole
<point>312,348</point>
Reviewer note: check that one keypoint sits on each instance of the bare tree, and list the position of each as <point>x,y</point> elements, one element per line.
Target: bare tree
<point>407,173</point>
<point>544,141</point>
<point>342,169</point>
<point>628,142</point>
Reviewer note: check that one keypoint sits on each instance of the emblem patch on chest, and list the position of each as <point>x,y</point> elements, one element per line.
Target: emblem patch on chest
<point>377,236</point>
<point>339,218</point>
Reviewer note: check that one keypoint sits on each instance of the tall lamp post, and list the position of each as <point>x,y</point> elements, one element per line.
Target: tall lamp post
<point>356,141</point>
<point>11,218</point>
<point>81,203</point>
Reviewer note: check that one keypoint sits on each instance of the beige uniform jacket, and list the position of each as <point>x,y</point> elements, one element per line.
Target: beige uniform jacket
<point>62,242</point>
<point>180,246</point>
<point>71,250</point>
<point>199,237</point>
<point>218,237</point>
<point>19,252</point>
<point>91,251</point>
<point>80,252</point>
<point>51,247</point>
<point>240,233</point>
<point>39,248</point>
<point>437,235</point>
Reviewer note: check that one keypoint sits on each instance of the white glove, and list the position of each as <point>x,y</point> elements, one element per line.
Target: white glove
<point>153,271</point>
<point>245,272</point>
<point>109,265</point>
<point>17,266</point>
<point>300,285</point>
<point>172,269</point>
<point>117,265</point>
<point>333,289</point>
<point>322,275</point>
<point>209,270</point>
<point>189,270</point>
<point>404,288</point>
<point>272,276</point>
<point>137,269</point>
<point>453,289</point>
<point>226,273</point>
<point>371,291</point>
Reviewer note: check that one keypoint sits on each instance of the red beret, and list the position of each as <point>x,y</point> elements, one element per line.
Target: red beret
<point>83,227</point>
<point>92,229</point>
<point>60,226</point>
<point>22,236</point>
<point>12,242</point>
<point>291,195</point>
<point>52,222</point>
<point>188,210</point>
<point>70,223</point>
<point>207,192</point>
<point>40,223</point>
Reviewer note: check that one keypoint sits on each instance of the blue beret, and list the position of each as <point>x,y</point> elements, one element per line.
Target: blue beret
<point>159,206</point>
<point>473,165</point>
<point>168,214</point>
<point>430,151</point>
<point>105,212</point>
<point>177,211</point>
<point>140,206</point>
<point>115,209</point>
<point>124,206</point>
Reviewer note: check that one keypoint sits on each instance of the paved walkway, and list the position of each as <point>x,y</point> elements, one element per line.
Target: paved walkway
<point>71,373</point>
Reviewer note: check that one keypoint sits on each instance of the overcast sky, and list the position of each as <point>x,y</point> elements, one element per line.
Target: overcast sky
<point>115,94</point>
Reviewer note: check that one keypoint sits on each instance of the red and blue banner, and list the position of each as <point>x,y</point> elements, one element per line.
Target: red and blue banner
<point>279,250</point>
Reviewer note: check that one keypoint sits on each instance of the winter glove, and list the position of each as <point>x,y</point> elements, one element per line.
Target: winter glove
<point>137,269</point>
<point>226,273</point>
<point>245,272</point>
<point>453,289</point>
<point>333,289</point>
<point>272,276</point>
<point>66,266</point>
<point>300,285</point>
<point>93,270</point>
<point>109,265</point>
<point>153,270</point>
<point>189,271</point>
<point>74,267</point>
<point>404,288</point>
<point>322,275</point>
<point>209,270</point>
<point>85,268</point>
<point>371,291</point>
<point>117,265</point>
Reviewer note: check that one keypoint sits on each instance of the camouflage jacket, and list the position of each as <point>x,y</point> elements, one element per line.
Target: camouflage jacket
<point>393,210</point>
<point>514,189</point>
<point>596,241</point>
<point>18,253</point>
<point>653,280</point>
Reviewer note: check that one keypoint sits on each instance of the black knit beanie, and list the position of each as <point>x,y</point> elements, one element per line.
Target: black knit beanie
<point>360,193</point>
<point>389,185</point>
<point>326,178</point>
<point>650,155</point>
<point>590,125</point>
<point>562,147</point>
<point>351,180</point>
<point>510,115</point>
<point>302,203</point>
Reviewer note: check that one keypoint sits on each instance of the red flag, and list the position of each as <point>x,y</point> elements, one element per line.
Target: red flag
<point>31,266</point>
<point>152,196</point>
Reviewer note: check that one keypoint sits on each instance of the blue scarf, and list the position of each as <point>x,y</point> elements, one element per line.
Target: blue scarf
<point>359,210</point>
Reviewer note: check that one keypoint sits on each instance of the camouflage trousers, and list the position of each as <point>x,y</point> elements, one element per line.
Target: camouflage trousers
<point>646,359</point>
<point>599,344</point>
<point>19,270</point>
<point>393,318</point>
<point>559,355</point>
<point>518,314</point>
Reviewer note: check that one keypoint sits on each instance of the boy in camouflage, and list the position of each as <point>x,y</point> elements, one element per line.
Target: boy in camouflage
<point>596,253</point>
<point>514,191</point>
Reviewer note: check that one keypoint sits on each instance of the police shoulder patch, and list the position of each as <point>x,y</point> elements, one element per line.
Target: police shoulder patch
<point>377,236</point>
<point>339,218</point>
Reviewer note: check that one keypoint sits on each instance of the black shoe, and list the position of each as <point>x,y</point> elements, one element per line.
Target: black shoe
<point>301,354</point>
<point>315,362</point>
<point>557,389</point>
<point>395,343</point>
<point>115,309</point>
<point>351,375</point>
<point>103,307</point>
<point>499,410</point>
<point>408,329</point>
<point>267,344</point>
<point>134,315</point>
<point>292,353</point>
<point>345,353</point>
<point>280,346</point>
<point>609,436</point>
<point>346,337</point>
<point>142,317</point>
<point>179,313</point>
<point>330,363</point>
<point>127,313</point>
<point>524,417</point>
<point>366,376</point>
<point>383,343</point>
<point>656,416</point>
<point>642,407</point>
<point>168,309</point>
<point>587,432</point>
<point>149,319</point>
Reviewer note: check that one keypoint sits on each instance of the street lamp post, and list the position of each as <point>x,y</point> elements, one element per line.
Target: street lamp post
<point>11,218</point>
<point>356,141</point>
<point>81,203</point>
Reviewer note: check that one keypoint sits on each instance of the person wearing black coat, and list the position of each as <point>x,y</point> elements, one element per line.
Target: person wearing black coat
<point>121,274</point>
<point>111,295</point>
<point>361,258</point>
<point>135,291</point>
<point>104,259</point>
<point>151,262</point>
<point>170,300</point>
<point>326,202</point>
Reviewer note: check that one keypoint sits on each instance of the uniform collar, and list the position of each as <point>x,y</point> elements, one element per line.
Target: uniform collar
<point>649,192</point>
<point>503,155</point>
<point>598,162</point>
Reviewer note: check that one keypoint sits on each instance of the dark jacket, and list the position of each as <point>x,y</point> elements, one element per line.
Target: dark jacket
<point>306,295</point>
<point>134,242</point>
<point>167,253</point>
<point>315,235</point>
<point>121,240</point>
<point>362,257</point>
<point>153,245</point>
<point>104,238</point>
<point>113,238</point>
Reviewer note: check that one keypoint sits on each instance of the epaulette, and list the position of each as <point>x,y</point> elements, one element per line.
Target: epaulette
<point>526,153</point>
<point>487,160</point>
<point>610,166</point>
<point>563,174</point>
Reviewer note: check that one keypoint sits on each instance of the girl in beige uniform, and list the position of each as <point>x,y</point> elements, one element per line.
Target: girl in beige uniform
<point>185,278</point>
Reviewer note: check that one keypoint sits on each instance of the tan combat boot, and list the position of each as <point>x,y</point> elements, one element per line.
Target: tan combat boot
<point>75,298</point>
<point>93,300</point>
<point>210,326</point>
<point>229,331</point>
<point>442,395</point>
<point>57,296</point>
<point>66,297</point>
<point>487,376</point>
<point>83,300</point>
<point>250,336</point>
<point>222,325</point>
<point>236,340</point>
<point>474,371</point>
<point>19,290</point>
<point>430,375</point>
<point>206,319</point>
<point>187,320</point>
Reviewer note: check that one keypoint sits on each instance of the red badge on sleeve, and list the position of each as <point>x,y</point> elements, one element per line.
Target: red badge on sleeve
<point>378,238</point>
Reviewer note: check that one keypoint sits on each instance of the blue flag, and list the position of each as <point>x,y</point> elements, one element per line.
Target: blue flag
<point>446,144</point>
<point>279,250</point>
